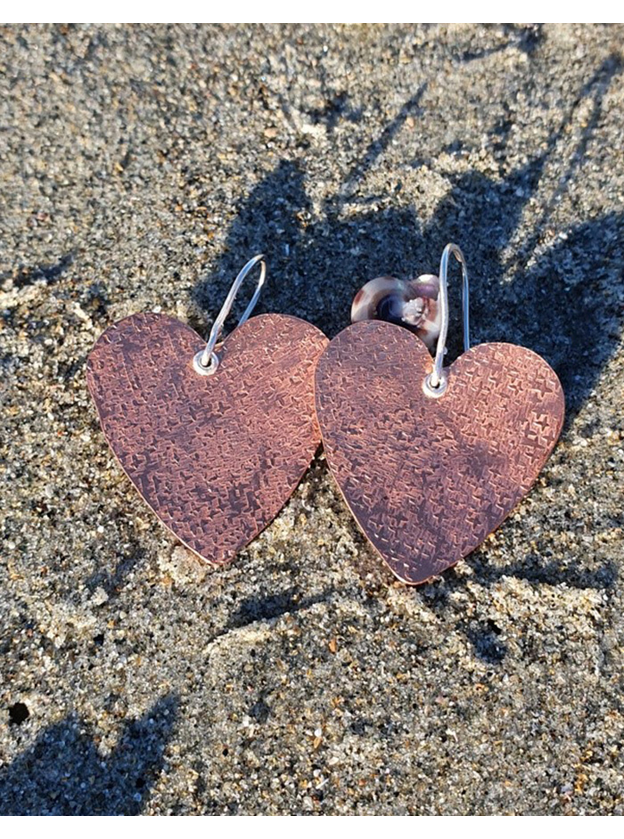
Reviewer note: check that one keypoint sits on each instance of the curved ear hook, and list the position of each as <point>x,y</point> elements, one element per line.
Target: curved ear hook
<point>206,361</point>
<point>436,381</point>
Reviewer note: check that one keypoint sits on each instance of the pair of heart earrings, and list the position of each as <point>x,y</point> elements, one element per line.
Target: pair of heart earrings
<point>429,459</point>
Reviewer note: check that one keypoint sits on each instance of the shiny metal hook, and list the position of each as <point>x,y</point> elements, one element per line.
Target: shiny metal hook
<point>436,382</point>
<point>206,361</point>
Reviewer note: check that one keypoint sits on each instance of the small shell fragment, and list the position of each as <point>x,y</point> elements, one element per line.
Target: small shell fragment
<point>409,303</point>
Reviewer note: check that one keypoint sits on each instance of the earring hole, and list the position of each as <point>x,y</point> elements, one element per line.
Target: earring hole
<point>205,369</point>
<point>434,391</point>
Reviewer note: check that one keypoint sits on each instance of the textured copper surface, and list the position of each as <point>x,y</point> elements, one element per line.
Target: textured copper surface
<point>428,479</point>
<point>215,457</point>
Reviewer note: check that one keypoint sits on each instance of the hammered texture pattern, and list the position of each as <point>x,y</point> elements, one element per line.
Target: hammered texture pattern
<point>216,457</point>
<point>428,479</point>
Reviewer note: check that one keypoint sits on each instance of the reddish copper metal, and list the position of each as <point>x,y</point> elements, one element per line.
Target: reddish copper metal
<point>215,457</point>
<point>428,479</point>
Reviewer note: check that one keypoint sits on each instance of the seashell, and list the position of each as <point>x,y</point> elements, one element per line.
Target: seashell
<point>409,303</point>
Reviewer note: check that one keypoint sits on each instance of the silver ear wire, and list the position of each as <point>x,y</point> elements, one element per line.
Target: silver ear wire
<point>206,361</point>
<point>435,383</point>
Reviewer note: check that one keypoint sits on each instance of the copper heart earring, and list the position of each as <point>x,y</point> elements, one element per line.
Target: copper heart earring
<point>215,438</point>
<point>429,459</point>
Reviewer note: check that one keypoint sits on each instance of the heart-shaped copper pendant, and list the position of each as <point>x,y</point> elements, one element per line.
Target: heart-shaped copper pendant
<point>427,479</point>
<point>215,456</point>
